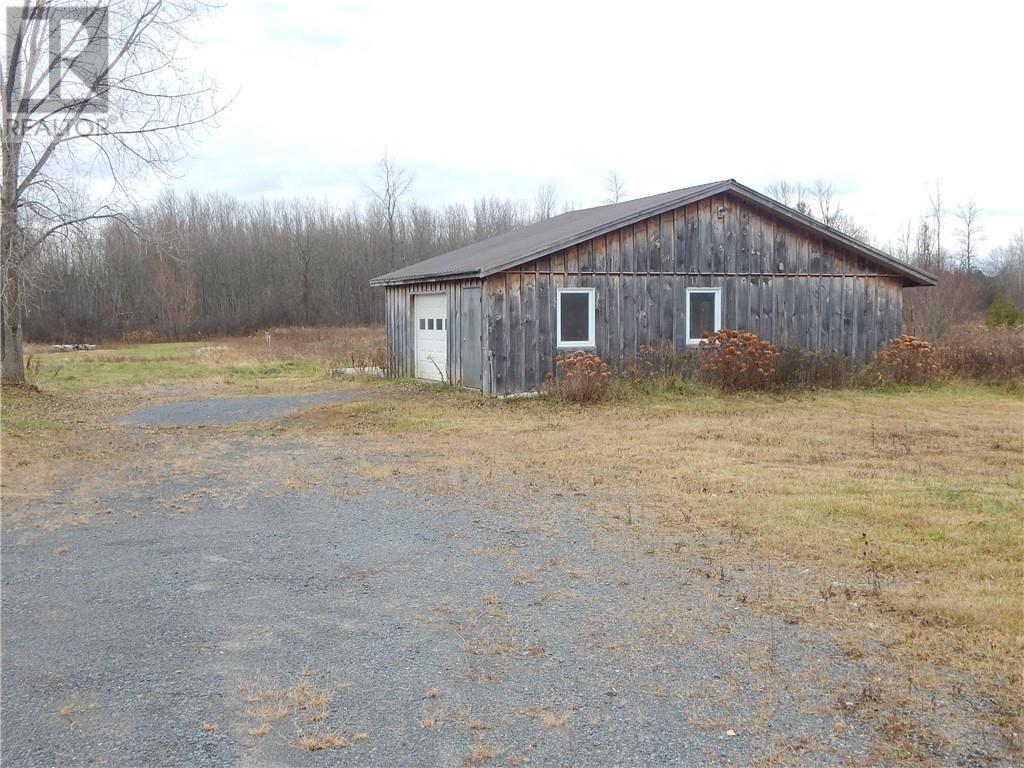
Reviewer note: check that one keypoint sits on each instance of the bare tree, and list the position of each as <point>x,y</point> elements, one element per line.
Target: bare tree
<point>615,186</point>
<point>933,311</point>
<point>782,190</point>
<point>1005,264</point>
<point>905,238</point>
<point>492,216</point>
<point>970,233</point>
<point>829,212</point>
<point>937,213</point>
<point>91,96</point>
<point>791,194</point>
<point>1010,256</point>
<point>545,202</point>
<point>819,202</point>
<point>924,247</point>
<point>302,238</point>
<point>393,183</point>
<point>825,202</point>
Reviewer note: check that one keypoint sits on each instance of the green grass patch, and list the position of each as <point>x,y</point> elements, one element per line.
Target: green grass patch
<point>143,364</point>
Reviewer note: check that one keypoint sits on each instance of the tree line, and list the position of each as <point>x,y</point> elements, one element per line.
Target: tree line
<point>944,239</point>
<point>197,265</point>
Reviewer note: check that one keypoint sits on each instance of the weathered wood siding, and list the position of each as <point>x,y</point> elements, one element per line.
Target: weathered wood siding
<point>778,281</point>
<point>400,333</point>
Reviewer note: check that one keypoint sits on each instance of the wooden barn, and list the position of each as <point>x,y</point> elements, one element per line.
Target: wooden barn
<point>495,315</point>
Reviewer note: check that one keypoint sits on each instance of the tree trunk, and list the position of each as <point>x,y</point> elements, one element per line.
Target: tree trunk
<point>12,358</point>
<point>11,342</point>
<point>305,290</point>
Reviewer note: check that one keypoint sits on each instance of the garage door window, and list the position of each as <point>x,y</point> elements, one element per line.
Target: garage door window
<point>576,317</point>
<point>703,313</point>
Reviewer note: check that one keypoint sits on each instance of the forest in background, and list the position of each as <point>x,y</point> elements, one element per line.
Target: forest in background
<point>199,265</point>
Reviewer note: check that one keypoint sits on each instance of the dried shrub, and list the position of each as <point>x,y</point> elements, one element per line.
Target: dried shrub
<point>379,359</point>
<point>933,311</point>
<point>986,355</point>
<point>799,368</point>
<point>358,346</point>
<point>660,366</point>
<point>582,377</point>
<point>737,360</point>
<point>907,360</point>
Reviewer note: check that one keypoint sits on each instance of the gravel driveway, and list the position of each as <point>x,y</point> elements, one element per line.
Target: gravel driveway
<point>446,629</point>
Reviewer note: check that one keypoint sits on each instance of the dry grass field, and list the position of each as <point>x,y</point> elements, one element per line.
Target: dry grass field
<point>891,519</point>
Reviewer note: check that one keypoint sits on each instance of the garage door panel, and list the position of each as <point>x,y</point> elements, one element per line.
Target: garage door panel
<point>431,329</point>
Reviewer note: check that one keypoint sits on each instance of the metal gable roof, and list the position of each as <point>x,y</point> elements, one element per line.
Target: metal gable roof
<point>545,237</point>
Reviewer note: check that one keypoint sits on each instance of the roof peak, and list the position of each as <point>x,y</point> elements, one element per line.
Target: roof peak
<point>631,200</point>
<point>541,238</point>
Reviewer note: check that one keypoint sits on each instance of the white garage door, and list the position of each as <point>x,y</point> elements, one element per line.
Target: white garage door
<point>431,336</point>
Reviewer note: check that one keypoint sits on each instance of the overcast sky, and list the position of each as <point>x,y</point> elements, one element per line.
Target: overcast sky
<point>483,98</point>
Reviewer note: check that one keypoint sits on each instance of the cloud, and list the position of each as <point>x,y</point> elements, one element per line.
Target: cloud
<point>883,99</point>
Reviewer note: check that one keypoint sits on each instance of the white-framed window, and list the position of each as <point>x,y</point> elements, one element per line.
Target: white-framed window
<point>575,317</point>
<point>703,313</point>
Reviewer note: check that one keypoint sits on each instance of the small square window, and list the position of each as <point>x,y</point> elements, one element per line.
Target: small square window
<point>423,324</point>
<point>440,324</point>
<point>703,313</point>
<point>576,317</point>
<point>430,324</point>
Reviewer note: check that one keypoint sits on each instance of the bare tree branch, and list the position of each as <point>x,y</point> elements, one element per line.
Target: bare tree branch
<point>615,186</point>
<point>86,105</point>
<point>970,234</point>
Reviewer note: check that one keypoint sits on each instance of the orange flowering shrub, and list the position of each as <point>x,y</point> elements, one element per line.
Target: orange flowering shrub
<point>907,360</point>
<point>582,377</point>
<point>736,360</point>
